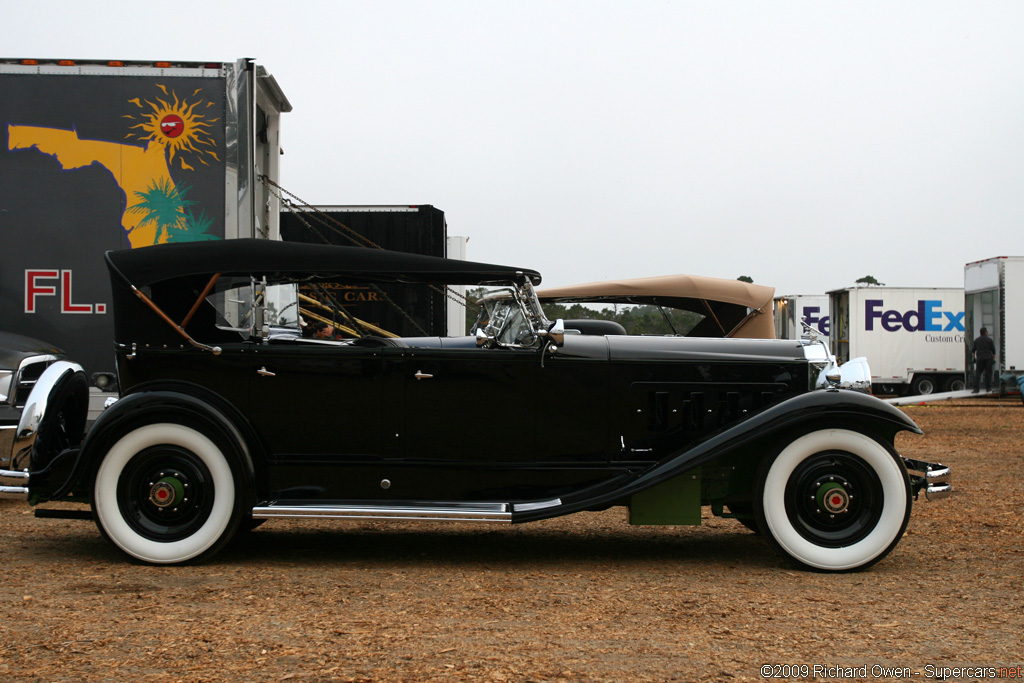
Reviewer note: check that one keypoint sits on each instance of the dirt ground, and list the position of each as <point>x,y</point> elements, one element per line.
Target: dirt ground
<point>585,598</point>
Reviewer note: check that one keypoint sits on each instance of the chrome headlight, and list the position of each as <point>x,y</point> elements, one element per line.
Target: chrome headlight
<point>855,374</point>
<point>826,373</point>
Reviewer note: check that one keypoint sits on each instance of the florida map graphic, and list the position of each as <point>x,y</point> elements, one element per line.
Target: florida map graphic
<point>167,132</point>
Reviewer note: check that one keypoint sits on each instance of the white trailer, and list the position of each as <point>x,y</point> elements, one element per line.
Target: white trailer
<point>794,309</point>
<point>913,338</point>
<point>994,299</point>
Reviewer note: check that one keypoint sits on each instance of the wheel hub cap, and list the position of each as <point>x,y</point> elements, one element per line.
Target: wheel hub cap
<point>833,498</point>
<point>166,492</point>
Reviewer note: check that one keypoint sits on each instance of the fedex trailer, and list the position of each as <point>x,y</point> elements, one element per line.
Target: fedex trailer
<point>913,338</point>
<point>792,311</point>
<point>994,299</point>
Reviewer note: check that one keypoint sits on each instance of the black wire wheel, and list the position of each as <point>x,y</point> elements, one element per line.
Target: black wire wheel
<point>834,500</point>
<point>165,494</point>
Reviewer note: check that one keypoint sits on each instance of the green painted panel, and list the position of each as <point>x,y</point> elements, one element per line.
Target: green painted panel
<point>676,501</point>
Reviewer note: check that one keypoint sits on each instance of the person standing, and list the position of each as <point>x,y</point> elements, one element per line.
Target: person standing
<point>984,353</point>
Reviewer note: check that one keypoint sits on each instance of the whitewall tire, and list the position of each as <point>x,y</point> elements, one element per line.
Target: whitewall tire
<point>166,494</point>
<point>834,500</point>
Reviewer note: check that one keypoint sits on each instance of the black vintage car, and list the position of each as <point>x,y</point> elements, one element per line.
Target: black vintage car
<point>228,415</point>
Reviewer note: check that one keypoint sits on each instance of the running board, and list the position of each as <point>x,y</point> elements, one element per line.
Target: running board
<point>432,512</point>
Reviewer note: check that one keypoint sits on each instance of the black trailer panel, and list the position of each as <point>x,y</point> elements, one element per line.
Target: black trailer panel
<point>419,310</point>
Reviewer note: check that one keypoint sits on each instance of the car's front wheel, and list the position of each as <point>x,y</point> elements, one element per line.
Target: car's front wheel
<point>166,494</point>
<point>834,500</point>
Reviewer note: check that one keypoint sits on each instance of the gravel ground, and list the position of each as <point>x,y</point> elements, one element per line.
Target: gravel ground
<point>585,598</point>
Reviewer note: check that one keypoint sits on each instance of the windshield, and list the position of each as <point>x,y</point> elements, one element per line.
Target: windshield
<point>283,305</point>
<point>247,307</point>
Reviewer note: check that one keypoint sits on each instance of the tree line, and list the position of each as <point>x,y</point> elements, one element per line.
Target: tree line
<point>635,319</point>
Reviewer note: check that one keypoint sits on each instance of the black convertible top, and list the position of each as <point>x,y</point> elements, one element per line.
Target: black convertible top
<point>295,260</point>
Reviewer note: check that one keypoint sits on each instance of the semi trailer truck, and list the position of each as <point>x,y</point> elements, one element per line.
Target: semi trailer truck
<point>99,155</point>
<point>913,338</point>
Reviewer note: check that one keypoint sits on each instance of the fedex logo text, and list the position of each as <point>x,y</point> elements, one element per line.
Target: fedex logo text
<point>46,282</point>
<point>818,322</point>
<point>926,317</point>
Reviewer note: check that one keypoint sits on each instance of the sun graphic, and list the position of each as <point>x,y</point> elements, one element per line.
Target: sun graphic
<point>177,125</point>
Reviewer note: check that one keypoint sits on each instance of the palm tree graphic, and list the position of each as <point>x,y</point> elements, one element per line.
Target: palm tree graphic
<point>169,209</point>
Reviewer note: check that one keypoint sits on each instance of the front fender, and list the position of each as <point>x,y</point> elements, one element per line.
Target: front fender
<point>806,412</point>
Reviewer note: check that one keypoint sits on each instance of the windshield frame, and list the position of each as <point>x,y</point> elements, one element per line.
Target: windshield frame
<point>512,317</point>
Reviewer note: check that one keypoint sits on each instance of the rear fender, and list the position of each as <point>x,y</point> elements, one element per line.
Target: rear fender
<point>138,409</point>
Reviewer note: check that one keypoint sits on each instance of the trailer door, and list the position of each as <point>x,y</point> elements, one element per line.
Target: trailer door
<point>839,305</point>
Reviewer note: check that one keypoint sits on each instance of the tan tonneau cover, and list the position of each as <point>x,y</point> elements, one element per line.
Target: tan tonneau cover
<point>732,308</point>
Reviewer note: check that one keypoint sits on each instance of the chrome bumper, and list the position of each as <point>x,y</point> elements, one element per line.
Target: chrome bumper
<point>7,480</point>
<point>932,477</point>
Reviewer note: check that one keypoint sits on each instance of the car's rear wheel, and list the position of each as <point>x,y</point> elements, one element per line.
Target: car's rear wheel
<point>166,494</point>
<point>834,500</point>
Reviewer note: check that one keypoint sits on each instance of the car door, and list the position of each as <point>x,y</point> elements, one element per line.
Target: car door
<point>318,408</point>
<point>503,423</point>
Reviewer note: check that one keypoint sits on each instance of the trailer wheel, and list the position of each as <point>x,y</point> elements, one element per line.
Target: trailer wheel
<point>955,383</point>
<point>166,494</point>
<point>923,386</point>
<point>833,500</point>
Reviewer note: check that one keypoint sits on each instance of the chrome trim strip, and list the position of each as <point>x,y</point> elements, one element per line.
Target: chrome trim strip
<point>540,505</point>
<point>456,512</point>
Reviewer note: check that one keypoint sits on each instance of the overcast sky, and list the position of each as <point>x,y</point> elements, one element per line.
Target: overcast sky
<point>805,144</point>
